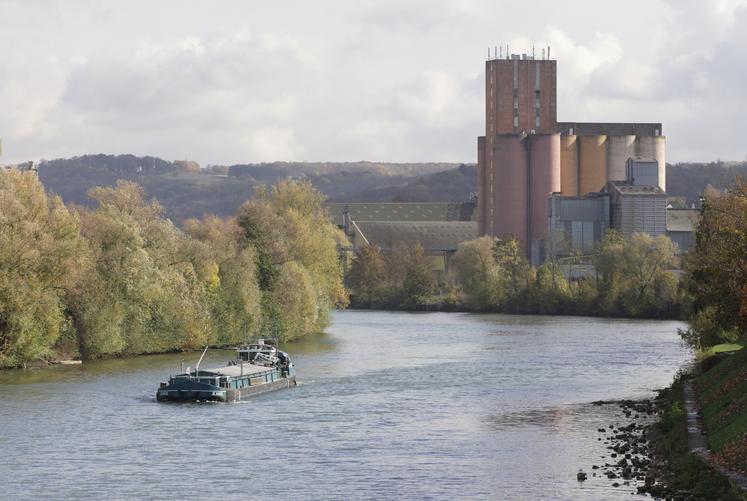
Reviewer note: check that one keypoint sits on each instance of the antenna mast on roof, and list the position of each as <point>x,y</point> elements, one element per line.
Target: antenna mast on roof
<point>548,52</point>
<point>501,56</point>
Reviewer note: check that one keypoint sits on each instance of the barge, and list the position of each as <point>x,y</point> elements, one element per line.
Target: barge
<point>258,368</point>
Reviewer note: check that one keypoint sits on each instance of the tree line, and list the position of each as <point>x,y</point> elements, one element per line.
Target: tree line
<point>633,278</point>
<point>121,279</point>
<point>716,278</point>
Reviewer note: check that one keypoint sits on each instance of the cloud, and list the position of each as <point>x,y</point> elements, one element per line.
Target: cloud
<point>384,80</point>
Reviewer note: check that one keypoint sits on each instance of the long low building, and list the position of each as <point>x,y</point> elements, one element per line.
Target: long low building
<point>438,227</point>
<point>681,226</point>
<point>401,211</point>
<point>439,239</point>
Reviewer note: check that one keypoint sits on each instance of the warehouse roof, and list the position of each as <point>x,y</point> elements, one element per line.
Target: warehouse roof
<point>682,219</point>
<point>392,211</point>
<point>627,188</point>
<point>432,235</point>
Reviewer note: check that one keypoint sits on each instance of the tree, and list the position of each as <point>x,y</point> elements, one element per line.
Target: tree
<point>284,224</point>
<point>228,272</point>
<point>481,278</point>
<point>717,267</point>
<point>41,255</point>
<point>550,291</point>
<point>142,293</point>
<point>510,257</point>
<point>368,277</point>
<point>631,270</point>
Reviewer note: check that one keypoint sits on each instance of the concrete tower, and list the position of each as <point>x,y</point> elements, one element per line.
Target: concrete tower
<point>519,147</point>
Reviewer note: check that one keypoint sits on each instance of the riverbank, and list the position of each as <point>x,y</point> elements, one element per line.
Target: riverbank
<point>448,304</point>
<point>667,457</point>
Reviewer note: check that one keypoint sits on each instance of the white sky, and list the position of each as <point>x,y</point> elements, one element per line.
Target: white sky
<point>227,81</point>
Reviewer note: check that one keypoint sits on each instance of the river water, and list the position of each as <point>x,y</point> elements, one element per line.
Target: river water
<point>389,406</point>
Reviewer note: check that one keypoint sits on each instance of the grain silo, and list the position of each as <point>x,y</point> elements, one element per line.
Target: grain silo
<point>619,149</point>
<point>510,185</point>
<point>592,163</point>
<point>569,165</point>
<point>483,188</point>
<point>544,180</point>
<point>655,147</point>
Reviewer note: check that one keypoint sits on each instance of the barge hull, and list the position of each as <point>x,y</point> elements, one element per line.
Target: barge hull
<point>250,391</point>
<point>227,395</point>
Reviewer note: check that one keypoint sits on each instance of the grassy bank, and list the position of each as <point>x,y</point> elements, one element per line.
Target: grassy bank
<point>722,393</point>
<point>676,471</point>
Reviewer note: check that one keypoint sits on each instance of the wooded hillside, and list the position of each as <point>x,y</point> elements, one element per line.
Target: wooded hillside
<point>185,190</point>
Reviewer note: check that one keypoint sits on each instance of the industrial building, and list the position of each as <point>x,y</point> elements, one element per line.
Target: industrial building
<point>438,227</point>
<point>634,205</point>
<point>577,223</point>
<point>526,155</point>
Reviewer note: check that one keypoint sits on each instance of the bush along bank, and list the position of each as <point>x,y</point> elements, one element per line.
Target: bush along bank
<point>633,279</point>
<point>123,280</point>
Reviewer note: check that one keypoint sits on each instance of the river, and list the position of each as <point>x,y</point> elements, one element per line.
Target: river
<point>388,406</point>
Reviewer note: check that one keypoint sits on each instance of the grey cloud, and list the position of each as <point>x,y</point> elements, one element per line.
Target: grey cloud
<point>336,81</point>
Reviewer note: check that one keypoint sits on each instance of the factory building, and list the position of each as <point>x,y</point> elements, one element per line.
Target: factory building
<point>681,225</point>
<point>438,227</point>
<point>637,209</point>
<point>526,155</point>
<point>577,223</point>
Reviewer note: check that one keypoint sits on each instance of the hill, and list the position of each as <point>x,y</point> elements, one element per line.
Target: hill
<point>186,190</point>
<point>689,180</point>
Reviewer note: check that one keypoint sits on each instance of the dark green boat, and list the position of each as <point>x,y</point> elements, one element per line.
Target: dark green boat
<point>259,367</point>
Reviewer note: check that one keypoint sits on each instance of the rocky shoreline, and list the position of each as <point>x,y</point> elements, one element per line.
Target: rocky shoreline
<point>648,451</point>
<point>631,460</point>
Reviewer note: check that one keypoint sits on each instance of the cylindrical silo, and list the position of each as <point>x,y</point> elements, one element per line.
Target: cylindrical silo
<point>569,166</point>
<point>661,157</point>
<point>619,149</point>
<point>655,147</point>
<point>592,163</point>
<point>482,187</point>
<point>544,179</point>
<point>511,187</point>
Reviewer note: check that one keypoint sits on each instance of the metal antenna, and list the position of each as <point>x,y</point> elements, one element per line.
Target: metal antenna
<point>501,56</point>
<point>532,51</point>
<point>488,52</point>
<point>548,52</point>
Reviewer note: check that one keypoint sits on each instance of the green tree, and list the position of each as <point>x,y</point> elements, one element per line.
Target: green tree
<point>287,223</point>
<point>510,257</point>
<point>717,267</point>
<point>41,254</point>
<point>141,294</point>
<point>479,275</point>
<point>633,273</point>
<point>227,271</point>
<point>368,277</point>
<point>550,292</point>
